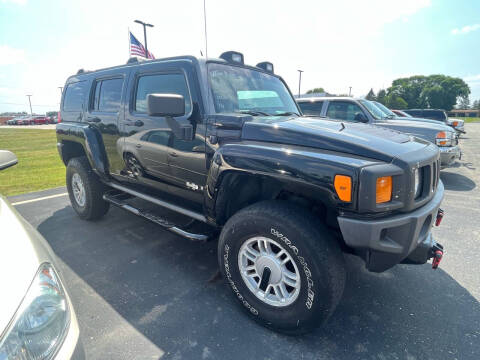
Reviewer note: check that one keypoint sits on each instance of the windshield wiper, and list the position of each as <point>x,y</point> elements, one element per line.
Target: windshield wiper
<point>286,113</point>
<point>253,112</point>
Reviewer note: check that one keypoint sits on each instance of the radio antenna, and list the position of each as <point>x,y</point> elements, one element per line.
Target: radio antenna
<point>205,24</point>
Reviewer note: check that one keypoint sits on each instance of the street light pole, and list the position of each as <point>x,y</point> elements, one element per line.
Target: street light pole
<point>144,34</point>
<point>299,81</point>
<point>350,91</point>
<point>61,90</point>
<point>30,102</point>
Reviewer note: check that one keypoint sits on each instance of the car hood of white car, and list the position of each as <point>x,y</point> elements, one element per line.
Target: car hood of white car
<point>22,250</point>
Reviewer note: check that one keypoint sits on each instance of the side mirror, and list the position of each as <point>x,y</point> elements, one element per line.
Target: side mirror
<point>7,159</point>
<point>360,117</point>
<point>171,106</point>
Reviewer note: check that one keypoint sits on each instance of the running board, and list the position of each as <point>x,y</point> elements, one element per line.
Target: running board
<point>167,205</point>
<point>118,200</point>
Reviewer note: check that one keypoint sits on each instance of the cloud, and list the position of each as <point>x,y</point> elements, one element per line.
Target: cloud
<point>11,56</point>
<point>466,29</point>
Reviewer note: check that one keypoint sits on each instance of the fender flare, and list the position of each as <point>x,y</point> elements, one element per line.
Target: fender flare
<point>90,140</point>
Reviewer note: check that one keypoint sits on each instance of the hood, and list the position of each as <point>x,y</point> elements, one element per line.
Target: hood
<point>352,138</point>
<point>22,250</point>
<point>418,123</point>
<point>419,119</point>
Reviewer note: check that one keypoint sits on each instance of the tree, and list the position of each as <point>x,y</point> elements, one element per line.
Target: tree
<point>381,96</point>
<point>316,90</point>
<point>395,102</point>
<point>476,105</point>
<point>371,95</point>
<point>434,91</point>
<point>463,103</point>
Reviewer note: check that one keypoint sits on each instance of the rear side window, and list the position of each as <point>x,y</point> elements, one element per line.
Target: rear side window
<point>108,94</point>
<point>342,110</point>
<point>74,96</point>
<point>161,84</point>
<point>414,113</point>
<point>311,108</point>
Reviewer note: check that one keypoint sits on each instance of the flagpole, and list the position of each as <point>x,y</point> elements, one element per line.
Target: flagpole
<point>129,45</point>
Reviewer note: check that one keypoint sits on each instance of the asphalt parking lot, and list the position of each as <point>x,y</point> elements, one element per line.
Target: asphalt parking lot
<point>143,293</point>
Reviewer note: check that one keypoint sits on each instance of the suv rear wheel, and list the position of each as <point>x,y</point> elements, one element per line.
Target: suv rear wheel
<point>85,190</point>
<point>282,265</point>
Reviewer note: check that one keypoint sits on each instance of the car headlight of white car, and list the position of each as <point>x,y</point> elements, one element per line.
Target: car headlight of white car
<point>41,322</point>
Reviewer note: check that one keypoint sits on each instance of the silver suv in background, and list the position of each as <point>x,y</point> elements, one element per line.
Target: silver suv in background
<point>361,110</point>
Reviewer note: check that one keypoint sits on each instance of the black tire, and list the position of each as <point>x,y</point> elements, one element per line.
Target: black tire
<point>317,256</point>
<point>94,206</point>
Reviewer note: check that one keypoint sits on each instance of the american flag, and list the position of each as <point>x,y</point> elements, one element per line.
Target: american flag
<point>137,49</point>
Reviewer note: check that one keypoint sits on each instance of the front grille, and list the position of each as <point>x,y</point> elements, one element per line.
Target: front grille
<point>429,176</point>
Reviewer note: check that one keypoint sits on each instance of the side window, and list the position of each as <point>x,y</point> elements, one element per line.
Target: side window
<point>159,137</point>
<point>108,94</point>
<point>161,83</point>
<point>183,145</point>
<point>415,113</point>
<point>311,108</point>
<point>343,110</point>
<point>74,96</point>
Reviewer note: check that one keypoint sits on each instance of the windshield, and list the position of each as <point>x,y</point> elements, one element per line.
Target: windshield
<point>237,89</point>
<point>374,110</point>
<point>386,110</point>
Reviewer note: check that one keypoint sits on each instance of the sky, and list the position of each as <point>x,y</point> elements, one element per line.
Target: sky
<point>338,44</point>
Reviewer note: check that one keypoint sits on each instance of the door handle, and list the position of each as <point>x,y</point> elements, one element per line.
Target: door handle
<point>136,123</point>
<point>173,154</point>
<point>94,119</point>
<point>138,146</point>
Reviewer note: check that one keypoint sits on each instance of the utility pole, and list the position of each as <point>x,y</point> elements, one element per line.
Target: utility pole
<point>350,91</point>
<point>144,34</point>
<point>30,102</point>
<point>205,24</point>
<point>299,81</point>
<point>61,90</point>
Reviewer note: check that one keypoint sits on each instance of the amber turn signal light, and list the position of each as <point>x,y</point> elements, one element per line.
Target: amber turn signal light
<point>384,189</point>
<point>343,187</point>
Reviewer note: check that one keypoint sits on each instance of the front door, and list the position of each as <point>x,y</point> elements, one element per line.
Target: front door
<point>147,146</point>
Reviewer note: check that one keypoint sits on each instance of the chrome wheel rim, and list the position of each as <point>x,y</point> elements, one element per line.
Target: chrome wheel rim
<point>134,166</point>
<point>269,271</point>
<point>78,189</point>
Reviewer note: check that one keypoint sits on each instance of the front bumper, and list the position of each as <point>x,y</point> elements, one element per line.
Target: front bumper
<point>448,155</point>
<point>384,243</point>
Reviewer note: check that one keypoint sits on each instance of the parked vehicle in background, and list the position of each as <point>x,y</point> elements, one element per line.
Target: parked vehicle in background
<point>26,120</point>
<point>39,120</point>
<point>224,144</point>
<point>37,319</point>
<point>401,113</point>
<point>361,110</point>
<point>438,115</point>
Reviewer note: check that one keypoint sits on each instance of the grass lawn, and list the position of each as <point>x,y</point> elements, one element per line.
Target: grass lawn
<point>39,166</point>
<point>468,119</point>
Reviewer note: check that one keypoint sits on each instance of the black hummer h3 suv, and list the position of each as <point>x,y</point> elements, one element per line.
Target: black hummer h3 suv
<point>225,144</point>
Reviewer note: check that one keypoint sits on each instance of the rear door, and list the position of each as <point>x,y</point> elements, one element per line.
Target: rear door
<point>104,112</point>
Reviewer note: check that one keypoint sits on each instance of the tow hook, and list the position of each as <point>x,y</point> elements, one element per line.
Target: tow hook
<point>436,252</point>
<point>439,218</point>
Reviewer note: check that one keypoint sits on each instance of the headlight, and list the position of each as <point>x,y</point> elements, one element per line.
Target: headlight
<point>444,138</point>
<point>40,324</point>
<point>417,178</point>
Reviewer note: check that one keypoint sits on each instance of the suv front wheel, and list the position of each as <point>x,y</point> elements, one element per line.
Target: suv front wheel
<point>282,265</point>
<point>85,190</point>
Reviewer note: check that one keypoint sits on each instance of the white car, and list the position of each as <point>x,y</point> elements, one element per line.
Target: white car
<point>37,320</point>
